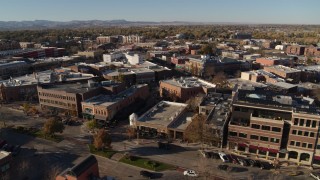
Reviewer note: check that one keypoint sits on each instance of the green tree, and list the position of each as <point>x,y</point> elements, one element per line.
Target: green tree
<point>53,126</point>
<point>92,124</point>
<point>207,49</point>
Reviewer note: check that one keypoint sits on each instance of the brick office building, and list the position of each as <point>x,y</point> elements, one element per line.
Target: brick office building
<point>289,74</point>
<point>105,107</point>
<point>295,50</point>
<point>67,97</point>
<point>274,126</point>
<point>184,88</point>
<point>271,61</point>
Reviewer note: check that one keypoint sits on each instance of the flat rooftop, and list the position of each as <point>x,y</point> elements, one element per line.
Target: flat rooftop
<point>284,69</point>
<point>44,77</point>
<point>107,100</point>
<point>183,121</point>
<point>69,87</point>
<point>163,113</point>
<point>189,82</point>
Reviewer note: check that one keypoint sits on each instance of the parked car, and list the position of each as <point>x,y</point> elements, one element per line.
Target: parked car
<point>16,150</point>
<point>233,159</point>
<point>162,145</point>
<point>264,165</point>
<point>190,173</point>
<point>253,163</point>
<point>147,174</point>
<point>8,147</point>
<point>214,155</point>
<point>223,167</point>
<point>243,162</point>
<point>223,157</point>
<point>2,143</point>
<point>315,175</point>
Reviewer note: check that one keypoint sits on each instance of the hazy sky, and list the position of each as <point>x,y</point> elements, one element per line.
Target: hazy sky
<point>243,11</point>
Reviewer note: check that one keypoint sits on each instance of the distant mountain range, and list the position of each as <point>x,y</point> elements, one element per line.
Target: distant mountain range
<point>45,24</point>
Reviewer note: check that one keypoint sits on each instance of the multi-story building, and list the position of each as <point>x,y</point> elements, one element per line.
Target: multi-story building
<point>131,39</point>
<point>24,88</point>
<point>295,50</point>
<point>271,61</point>
<point>105,107</point>
<point>312,51</point>
<point>184,88</point>
<point>13,68</point>
<point>8,45</point>
<point>67,97</point>
<point>240,35</point>
<point>289,74</point>
<point>234,54</point>
<point>107,39</point>
<point>273,125</point>
<point>209,66</point>
<point>181,60</point>
<point>25,45</point>
<point>87,54</point>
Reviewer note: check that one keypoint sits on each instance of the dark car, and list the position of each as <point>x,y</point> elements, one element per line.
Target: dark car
<point>162,145</point>
<point>223,167</point>
<point>2,143</point>
<point>264,165</point>
<point>147,174</point>
<point>243,162</point>
<point>253,163</point>
<point>16,150</point>
<point>233,159</point>
<point>8,147</point>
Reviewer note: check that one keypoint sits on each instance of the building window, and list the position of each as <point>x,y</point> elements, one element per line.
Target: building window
<point>304,145</point>
<point>233,133</point>
<point>236,109</point>
<point>292,143</point>
<point>314,124</point>
<point>308,123</point>
<point>301,123</point>
<point>254,137</point>
<point>262,138</point>
<point>311,134</point>
<point>298,144</point>
<point>255,126</point>
<point>299,132</point>
<point>294,131</point>
<point>243,135</point>
<point>296,120</point>
<point>306,133</point>
<point>274,140</point>
<point>267,128</point>
<point>310,146</point>
<point>276,129</point>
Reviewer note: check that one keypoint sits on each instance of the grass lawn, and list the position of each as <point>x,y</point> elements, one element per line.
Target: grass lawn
<point>108,153</point>
<point>38,133</point>
<point>147,163</point>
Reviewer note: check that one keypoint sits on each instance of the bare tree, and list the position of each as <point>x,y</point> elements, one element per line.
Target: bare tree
<point>131,132</point>
<point>52,173</point>
<point>220,79</point>
<point>102,139</point>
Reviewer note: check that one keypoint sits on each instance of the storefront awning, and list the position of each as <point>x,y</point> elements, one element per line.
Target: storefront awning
<point>253,147</point>
<point>316,158</point>
<point>273,150</point>
<point>242,145</point>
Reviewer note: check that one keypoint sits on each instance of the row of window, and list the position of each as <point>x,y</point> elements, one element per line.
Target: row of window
<point>266,128</point>
<point>306,123</point>
<point>263,138</point>
<point>49,101</point>
<point>57,96</point>
<point>299,144</point>
<point>303,133</point>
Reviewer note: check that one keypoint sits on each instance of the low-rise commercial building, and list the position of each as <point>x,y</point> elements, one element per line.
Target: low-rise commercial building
<point>184,88</point>
<point>5,162</point>
<point>86,169</point>
<point>295,50</point>
<point>166,119</point>
<point>271,61</point>
<point>289,74</point>
<point>105,107</point>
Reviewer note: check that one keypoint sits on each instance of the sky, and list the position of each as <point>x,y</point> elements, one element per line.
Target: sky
<point>238,11</point>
